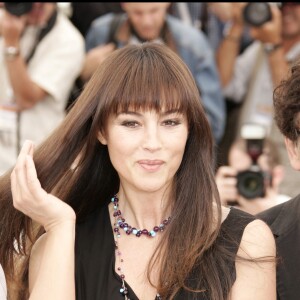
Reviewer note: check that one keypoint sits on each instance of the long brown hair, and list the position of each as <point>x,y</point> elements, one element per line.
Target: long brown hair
<point>74,166</point>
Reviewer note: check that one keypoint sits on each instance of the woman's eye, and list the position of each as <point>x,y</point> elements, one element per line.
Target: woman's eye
<point>130,124</point>
<point>171,122</point>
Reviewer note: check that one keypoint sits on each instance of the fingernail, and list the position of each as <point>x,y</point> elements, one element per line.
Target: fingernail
<point>28,142</point>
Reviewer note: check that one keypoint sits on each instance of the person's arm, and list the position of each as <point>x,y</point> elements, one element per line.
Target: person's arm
<point>271,33</point>
<point>227,53</point>
<point>257,279</point>
<point>226,182</point>
<point>26,92</point>
<point>94,58</point>
<point>97,45</point>
<point>52,262</point>
<point>229,48</point>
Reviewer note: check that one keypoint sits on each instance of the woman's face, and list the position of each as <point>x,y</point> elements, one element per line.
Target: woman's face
<point>146,148</point>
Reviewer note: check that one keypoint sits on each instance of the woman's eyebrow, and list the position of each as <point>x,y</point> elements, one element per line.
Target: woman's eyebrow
<point>135,113</point>
<point>171,111</point>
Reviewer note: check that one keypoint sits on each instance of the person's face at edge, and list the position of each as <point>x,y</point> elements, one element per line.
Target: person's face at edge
<point>290,19</point>
<point>241,161</point>
<point>146,148</point>
<point>40,13</point>
<point>147,18</point>
<point>293,147</point>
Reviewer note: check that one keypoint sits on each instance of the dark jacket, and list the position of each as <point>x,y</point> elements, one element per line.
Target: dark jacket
<point>284,220</point>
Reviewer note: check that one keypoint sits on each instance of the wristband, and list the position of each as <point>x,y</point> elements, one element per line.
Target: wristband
<point>269,48</point>
<point>11,52</point>
<point>232,38</point>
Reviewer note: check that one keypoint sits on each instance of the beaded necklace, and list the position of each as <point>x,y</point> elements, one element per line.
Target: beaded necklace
<point>120,223</point>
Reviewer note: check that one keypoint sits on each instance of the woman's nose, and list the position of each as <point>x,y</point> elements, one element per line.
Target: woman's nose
<point>152,139</point>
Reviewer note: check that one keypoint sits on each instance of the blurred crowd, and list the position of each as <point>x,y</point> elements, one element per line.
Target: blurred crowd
<point>237,53</point>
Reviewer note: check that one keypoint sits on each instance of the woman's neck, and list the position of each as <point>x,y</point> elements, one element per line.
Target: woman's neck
<point>143,209</point>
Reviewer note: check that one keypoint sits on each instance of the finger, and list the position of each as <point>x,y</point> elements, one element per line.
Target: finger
<point>33,183</point>
<point>14,189</point>
<point>228,195</point>
<point>110,46</point>
<point>31,150</point>
<point>20,170</point>
<point>227,171</point>
<point>20,175</point>
<point>230,181</point>
<point>107,49</point>
<point>27,147</point>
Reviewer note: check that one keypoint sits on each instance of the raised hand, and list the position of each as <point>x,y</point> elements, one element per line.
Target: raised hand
<point>270,32</point>
<point>226,182</point>
<point>12,28</point>
<point>31,199</point>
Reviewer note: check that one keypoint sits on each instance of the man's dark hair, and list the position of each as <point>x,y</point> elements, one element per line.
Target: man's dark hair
<point>287,104</point>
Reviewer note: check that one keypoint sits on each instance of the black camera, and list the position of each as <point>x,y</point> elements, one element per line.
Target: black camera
<point>251,182</point>
<point>257,13</point>
<point>18,8</point>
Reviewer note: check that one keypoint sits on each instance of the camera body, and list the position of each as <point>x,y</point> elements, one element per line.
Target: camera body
<point>18,8</point>
<point>257,13</point>
<point>251,183</point>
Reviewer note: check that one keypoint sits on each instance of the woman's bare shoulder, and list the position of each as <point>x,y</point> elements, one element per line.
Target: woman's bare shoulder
<point>225,212</point>
<point>258,240</point>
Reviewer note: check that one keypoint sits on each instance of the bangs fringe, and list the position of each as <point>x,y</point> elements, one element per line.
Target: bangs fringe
<point>155,83</point>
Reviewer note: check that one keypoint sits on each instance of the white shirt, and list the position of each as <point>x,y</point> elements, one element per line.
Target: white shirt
<point>56,63</point>
<point>3,290</point>
<point>260,111</point>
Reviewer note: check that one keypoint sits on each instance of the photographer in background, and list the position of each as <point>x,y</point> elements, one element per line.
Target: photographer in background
<point>151,22</point>
<point>251,180</point>
<point>250,78</point>
<point>41,54</point>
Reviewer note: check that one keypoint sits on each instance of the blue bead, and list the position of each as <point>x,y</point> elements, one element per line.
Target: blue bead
<point>153,233</point>
<point>121,290</point>
<point>125,228</point>
<point>134,231</point>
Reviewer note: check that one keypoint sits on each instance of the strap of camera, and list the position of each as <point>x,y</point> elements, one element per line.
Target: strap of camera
<point>45,30</point>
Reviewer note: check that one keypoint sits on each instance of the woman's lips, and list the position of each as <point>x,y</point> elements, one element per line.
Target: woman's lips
<point>150,165</point>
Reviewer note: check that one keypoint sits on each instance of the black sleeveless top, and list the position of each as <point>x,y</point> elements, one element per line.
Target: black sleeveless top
<point>95,276</point>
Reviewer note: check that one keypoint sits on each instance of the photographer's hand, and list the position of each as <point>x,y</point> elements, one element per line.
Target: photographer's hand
<point>226,183</point>
<point>257,205</point>
<point>271,31</point>
<point>12,28</point>
<point>94,58</point>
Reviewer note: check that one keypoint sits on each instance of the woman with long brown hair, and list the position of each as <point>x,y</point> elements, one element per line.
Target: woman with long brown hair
<point>128,182</point>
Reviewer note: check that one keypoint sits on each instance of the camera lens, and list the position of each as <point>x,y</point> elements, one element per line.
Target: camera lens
<point>250,184</point>
<point>257,13</point>
<point>18,8</point>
